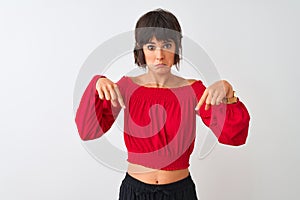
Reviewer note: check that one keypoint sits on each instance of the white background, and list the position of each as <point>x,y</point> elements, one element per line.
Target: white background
<point>254,44</point>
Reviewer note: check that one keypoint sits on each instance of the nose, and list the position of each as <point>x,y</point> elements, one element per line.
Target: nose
<point>159,53</point>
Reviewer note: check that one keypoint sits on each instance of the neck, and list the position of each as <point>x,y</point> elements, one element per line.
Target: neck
<point>159,80</point>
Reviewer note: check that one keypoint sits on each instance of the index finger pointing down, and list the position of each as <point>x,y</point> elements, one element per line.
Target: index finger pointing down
<point>120,98</point>
<point>202,100</point>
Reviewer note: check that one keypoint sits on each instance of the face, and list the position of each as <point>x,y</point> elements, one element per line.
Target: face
<point>159,55</point>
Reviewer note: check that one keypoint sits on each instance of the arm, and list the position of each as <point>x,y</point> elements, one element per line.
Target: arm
<point>229,122</point>
<point>94,116</point>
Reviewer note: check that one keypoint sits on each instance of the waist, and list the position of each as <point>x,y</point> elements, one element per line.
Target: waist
<point>156,176</point>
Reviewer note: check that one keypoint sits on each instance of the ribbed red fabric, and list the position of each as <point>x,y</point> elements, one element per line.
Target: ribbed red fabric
<point>160,123</point>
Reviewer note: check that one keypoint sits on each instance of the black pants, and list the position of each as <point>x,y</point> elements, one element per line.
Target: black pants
<point>133,189</point>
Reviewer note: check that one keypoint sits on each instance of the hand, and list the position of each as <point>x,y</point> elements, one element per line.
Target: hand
<point>215,93</point>
<point>110,91</point>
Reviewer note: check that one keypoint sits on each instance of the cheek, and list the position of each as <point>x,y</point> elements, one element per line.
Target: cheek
<point>171,57</point>
<point>149,57</point>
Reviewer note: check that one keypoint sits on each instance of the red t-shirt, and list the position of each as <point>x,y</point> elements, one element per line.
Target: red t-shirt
<point>160,123</point>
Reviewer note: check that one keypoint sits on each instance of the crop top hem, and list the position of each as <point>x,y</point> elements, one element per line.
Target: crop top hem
<point>170,167</point>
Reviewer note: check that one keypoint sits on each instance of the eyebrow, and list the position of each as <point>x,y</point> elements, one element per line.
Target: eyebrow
<point>167,41</point>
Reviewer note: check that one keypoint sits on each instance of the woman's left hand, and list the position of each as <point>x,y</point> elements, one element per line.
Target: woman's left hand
<point>215,94</point>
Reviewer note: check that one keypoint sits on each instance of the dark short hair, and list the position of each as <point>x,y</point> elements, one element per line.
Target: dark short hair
<point>161,24</point>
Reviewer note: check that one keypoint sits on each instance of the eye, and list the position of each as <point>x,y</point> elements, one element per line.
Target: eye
<point>167,46</point>
<point>151,47</point>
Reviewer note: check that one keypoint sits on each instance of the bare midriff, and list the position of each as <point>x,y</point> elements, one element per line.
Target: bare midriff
<point>156,176</point>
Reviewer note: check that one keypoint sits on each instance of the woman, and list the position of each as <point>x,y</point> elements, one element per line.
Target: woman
<point>160,111</point>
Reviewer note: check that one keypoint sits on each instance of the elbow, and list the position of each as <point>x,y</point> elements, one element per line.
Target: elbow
<point>232,142</point>
<point>91,132</point>
<point>237,139</point>
<point>83,135</point>
<point>88,135</point>
<point>86,129</point>
<point>92,129</point>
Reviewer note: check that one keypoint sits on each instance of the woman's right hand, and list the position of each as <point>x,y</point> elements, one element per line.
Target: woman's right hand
<point>110,91</point>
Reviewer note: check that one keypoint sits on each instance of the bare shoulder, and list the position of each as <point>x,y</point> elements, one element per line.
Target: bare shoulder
<point>191,81</point>
<point>137,79</point>
<point>182,81</point>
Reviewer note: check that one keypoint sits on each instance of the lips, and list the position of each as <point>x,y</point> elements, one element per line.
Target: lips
<point>160,65</point>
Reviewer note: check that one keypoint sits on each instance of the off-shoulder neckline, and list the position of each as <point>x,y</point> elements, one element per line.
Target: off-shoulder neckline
<point>162,88</point>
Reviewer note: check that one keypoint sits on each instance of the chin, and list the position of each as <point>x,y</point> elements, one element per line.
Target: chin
<point>162,70</point>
